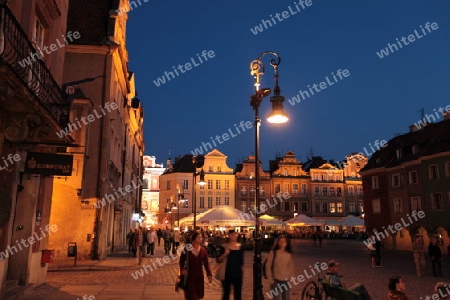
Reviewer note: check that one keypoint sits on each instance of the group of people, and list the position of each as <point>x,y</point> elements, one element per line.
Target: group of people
<point>141,242</point>
<point>434,253</point>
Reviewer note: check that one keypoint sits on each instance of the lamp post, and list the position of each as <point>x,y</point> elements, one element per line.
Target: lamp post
<point>197,161</point>
<point>277,116</point>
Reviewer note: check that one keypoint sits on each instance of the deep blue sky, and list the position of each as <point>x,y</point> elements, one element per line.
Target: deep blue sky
<point>379,99</point>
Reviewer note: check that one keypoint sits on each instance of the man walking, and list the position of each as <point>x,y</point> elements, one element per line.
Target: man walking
<point>436,256</point>
<point>151,239</point>
<point>159,234</point>
<point>140,243</point>
<point>167,241</point>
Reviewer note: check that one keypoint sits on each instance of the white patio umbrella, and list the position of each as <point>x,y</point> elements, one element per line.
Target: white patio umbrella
<point>266,220</point>
<point>353,221</point>
<point>304,220</point>
<point>224,215</point>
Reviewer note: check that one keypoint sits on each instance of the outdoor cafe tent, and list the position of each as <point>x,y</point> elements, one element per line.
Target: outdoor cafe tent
<point>266,220</point>
<point>304,220</point>
<point>222,215</point>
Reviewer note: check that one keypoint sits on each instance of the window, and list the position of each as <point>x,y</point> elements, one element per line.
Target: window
<point>295,188</point>
<point>396,180</point>
<point>38,34</point>
<point>243,190</point>
<point>398,153</point>
<point>332,207</point>
<point>330,177</point>
<point>227,200</point>
<point>338,177</point>
<point>202,202</point>
<point>415,149</point>
<point>350,190</point>
<point>324,177</point>
<point>287,207</point>
<point>295,172</point>
<point>145,185</point>
<point>375,183</point>
<point>397,205</point>
<point>304,206</point>
<point>217,201</point>
<point>295,206</point>
<point>285,172</point>
<point>209,202</point>
<point>277,188</point>
<point>447,169</point>
<point>416,203</point>
<point>316,177</point>
<point>360,190</point>
<point>339,191</point>
<point>376,206</point>
<point>211,169</point>
<point>303,188</point>
<point>210,184</point>
<point>324,191</point>
<point>217,184</point>
<point>286,188</point>
<point>433,172</point>
<point>351,207</point>
<point>339,207</point>
<point>413,177</point>
<point>168,185</point>
<point>316,191</point>
<point>324,207</point>
<point>244,206</point>
<point>185,184</point>
<point>332,191</point>
<point>252,191</point>
<point>227,184</point>
<point>317,207</point>
<point>436,201</point>
<point>219,169</point>
<point>262,191</point>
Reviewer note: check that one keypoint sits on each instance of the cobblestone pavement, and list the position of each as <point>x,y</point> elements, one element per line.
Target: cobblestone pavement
<point>111,278</point>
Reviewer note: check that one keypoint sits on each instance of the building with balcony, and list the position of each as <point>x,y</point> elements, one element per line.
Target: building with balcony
<point>94,207</point>
<point>288,177</point>
<point>33,108</point>
<point>410,174</point>
<point>246,187</point>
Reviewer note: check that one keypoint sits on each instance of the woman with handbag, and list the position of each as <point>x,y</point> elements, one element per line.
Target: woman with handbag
<point>191,263</point>
<point>231,269</point>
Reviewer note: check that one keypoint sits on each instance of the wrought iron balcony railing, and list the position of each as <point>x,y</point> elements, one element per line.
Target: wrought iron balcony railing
<point>14,48</point>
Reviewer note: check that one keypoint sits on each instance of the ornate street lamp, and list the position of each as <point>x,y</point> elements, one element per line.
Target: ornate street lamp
<point>277,116</point>
<point>197,161</point>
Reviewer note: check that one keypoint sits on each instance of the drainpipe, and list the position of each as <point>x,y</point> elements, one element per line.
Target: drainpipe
<point>98,212</point>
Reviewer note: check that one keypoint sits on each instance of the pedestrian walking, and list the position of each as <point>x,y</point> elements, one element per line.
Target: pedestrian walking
<point>151,239</point>
<point>159,234</point>
<point>435,254</point>
<point>140,246</point>
<point>279,268</point>
<point>176,241</point>
<point>167,236</point>
<point>314,237</point>
<point>419,259</point>
<point>233,260</point>
<point>320,237</point>
<point>396,287</point>
<point>196,258</point>
<point>378,245</point>
<point>130,242</point>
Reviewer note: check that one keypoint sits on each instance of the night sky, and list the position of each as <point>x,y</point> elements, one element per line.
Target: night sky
<point>379,98</point>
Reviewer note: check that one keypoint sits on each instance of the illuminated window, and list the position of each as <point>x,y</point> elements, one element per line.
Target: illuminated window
<point>332,207</point>
<point>227,184</point>
<point>243,191</point>
<point>277,188</point>
<point>416,203</point>
<point>332,191</point>
<point>262,191</point>
<point>376,208</point>
<point>339,207</point>
<point>252,191</point>
<point>397,205</point>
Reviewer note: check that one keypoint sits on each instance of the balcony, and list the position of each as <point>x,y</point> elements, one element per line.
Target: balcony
<point>28,92</point>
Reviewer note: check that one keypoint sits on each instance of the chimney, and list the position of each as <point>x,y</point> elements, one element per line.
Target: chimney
<point>169,164</point>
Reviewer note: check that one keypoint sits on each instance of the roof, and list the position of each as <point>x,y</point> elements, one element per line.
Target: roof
<point>90,19</point>
<point>185,165</point>
<point>432,139</point>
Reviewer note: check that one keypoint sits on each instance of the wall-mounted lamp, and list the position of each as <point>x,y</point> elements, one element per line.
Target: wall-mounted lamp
<point>79,192</point>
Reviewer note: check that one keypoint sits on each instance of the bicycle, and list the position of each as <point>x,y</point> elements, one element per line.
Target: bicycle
<point>314,290</point>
